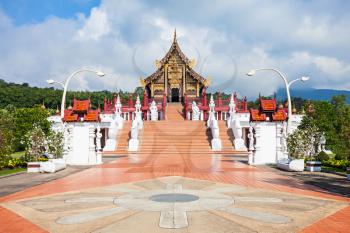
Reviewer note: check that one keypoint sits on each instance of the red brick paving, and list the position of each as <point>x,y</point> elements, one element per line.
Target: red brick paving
<point>11,222</point>
<point>204,166</point>
<point>338,222</point>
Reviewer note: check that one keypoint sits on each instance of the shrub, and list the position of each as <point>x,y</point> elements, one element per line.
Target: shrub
<point>15,162</point>
<point>304,141</point>
<point>25,120</point>
<point>55,144</point>
<point>322,156</point>
<point>35,144</point>
<point>342,164</point>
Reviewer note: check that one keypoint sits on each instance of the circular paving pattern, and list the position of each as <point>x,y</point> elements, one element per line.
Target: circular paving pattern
<point>181,200</point>
<point>174,197</point>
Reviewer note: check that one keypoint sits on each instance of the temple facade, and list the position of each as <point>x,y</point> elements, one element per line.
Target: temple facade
<point>174,77</point>
<point>129,125</point>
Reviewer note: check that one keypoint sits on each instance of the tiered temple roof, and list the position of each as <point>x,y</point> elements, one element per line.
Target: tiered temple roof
<point>81,111</point>
<point>268,111</point>
<point>175,49</point>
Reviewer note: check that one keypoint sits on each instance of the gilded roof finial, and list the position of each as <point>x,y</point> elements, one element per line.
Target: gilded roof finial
<point>175,35</point>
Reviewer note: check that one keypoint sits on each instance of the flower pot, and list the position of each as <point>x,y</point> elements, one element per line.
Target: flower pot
<point>33,167</point>
<point>295,165</point>
<point>313,166</point>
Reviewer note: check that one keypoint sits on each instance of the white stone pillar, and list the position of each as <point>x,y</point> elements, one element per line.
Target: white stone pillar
<point>266,143</point>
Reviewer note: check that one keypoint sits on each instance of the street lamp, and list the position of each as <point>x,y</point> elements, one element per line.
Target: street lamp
<point>66,82</point>
<point>287,85</point>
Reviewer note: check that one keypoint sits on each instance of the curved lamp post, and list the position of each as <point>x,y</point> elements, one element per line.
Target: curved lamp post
<point>287,85</point>
<point>66,82</point>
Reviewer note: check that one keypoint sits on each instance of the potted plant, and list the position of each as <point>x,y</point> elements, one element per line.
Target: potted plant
<point>304,142</point>
<point>295,162</point>
<point>35,148</point>
<point>313,164</point>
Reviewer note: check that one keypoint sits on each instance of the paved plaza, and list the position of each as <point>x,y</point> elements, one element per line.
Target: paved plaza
<point>201,193</point>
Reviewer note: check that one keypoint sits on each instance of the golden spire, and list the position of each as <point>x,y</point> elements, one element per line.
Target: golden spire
<point>175,35</point>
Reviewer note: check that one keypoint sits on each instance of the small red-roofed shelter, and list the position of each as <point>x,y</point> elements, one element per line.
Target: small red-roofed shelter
<point>268,105</point>
<point>256,115</point>
<point>280,115</point>
<point>81,111</point>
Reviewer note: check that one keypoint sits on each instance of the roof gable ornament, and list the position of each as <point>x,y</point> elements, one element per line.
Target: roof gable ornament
<point>175,50</point>
<point>232,105</point>
<point>118,106</point>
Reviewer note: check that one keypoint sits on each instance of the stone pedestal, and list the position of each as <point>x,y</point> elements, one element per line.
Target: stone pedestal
<point>133,144</point>
<point>239,144</point>
<point>266,143</point>
<point>216,144</point>
<point>110,145</point>
<point>250,158</point>
<point>82,146</point>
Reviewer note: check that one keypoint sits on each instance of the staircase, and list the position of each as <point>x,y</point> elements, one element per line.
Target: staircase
<point>123,138</point>
<point>175,135</point>
<point>174,112</point>
<point>226,136</point>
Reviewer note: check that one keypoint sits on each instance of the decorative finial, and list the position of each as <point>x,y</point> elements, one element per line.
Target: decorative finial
<point>175,35</point>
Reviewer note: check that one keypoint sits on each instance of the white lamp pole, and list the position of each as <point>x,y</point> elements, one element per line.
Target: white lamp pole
<point>65,85</point>
<point>287,85</point>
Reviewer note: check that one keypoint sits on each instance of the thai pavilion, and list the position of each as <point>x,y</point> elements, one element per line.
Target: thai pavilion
<point>174,77</point>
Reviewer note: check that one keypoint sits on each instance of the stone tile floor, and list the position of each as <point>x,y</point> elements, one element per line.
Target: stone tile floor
<point>198,193</point>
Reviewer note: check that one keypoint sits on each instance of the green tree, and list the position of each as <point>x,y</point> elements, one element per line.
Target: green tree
<point>25,119</point>
<point>304,141</point>
<point>139,91</point>
<point>333,118</point>
<point>6,137</point>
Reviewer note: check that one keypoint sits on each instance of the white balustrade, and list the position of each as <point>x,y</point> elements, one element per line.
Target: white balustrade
<point>137,125</point>
<point>212,123</point>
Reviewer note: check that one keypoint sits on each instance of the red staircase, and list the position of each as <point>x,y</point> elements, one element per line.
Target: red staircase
<point>175,135</point>
<point>226,136</point>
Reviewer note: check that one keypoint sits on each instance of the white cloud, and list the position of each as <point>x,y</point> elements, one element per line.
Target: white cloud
<point>95,26</point>
<point>123,38</point>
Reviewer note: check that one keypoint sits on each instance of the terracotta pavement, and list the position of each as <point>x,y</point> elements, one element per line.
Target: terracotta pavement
<point>171,161</point>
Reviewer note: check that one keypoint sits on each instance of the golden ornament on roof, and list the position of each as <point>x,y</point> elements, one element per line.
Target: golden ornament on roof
<point>142,82</point>
<point>158,64</point>
<point>192,63</point>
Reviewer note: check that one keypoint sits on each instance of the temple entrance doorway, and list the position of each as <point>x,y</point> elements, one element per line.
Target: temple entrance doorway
<point>175,93</point>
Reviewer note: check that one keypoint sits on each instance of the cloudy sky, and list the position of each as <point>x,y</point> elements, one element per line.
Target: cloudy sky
<point>43,39</point>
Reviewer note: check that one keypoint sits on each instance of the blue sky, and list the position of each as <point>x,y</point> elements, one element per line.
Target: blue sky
<point>50,39</point>
<point>36,11</point>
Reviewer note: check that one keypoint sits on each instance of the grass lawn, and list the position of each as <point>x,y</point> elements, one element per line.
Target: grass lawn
<point>11,171</point>
<point>333,169</point>
<point>18,154</point>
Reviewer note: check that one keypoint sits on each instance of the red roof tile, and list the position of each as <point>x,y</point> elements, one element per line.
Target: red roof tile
<point>268,105</point>
<point>256,116</point>
<point>280,115</point>
<point>81,105</point>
